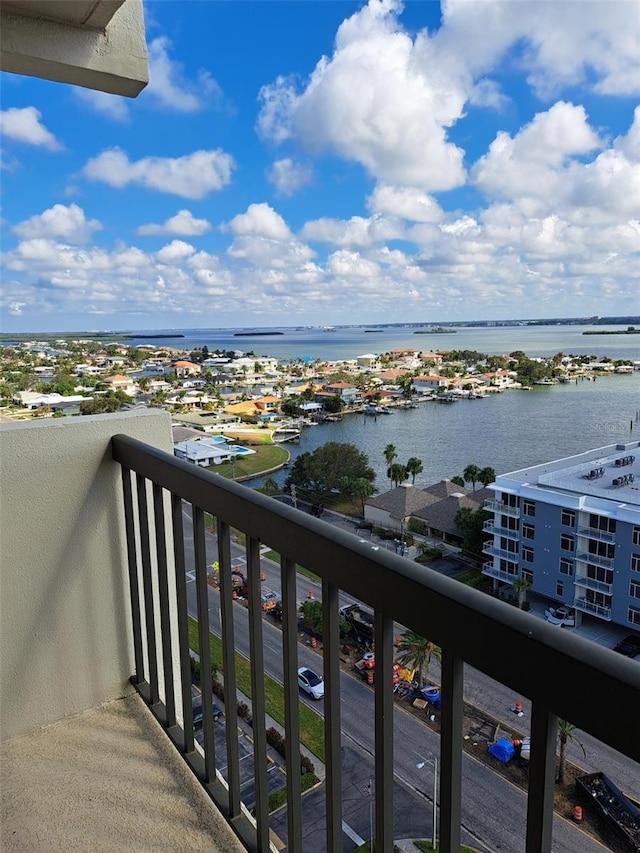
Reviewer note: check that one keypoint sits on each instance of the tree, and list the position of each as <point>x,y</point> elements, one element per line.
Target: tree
<point>486,476</point>
<point>471,523</point>
<point>470,474</point>
<point>359,488</point>
<point>416,652</point>
<point>397,473</point>
<point>414,466</point>
<point>389,455</point>
<point>270,487</point>
<point>318,474</point>
<point>565,734</point>
<point>521,587</point>
<point>312,615</point>
<point>458,481</point>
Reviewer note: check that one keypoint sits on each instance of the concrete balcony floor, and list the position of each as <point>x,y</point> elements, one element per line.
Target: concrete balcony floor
<point>106,779</point>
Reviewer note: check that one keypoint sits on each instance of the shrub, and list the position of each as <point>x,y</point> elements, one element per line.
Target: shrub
<point>415,525</point>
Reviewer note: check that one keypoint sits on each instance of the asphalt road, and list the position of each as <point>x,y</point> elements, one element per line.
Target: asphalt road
<point>494,812</point>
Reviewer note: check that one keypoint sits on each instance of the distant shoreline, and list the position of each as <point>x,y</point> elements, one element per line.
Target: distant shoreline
<point>614,332</point>
<point>255,334</point>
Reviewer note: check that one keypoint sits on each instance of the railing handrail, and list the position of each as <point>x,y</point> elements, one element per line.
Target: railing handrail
<point>561,671</point>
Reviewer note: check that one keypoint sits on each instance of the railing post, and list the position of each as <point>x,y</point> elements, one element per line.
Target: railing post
<point>134,588</point>
<point>383,633</point>
<point>332,724</point>
<point>149,604</point>
<point>541,779</point>
<point>291,702</point>
<point>451,753</point>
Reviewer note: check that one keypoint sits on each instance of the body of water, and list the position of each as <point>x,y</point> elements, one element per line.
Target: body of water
<point>349,342</point>
<point>506,431</point>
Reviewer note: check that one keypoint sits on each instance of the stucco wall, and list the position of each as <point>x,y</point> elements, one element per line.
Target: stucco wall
<point>64,603</point>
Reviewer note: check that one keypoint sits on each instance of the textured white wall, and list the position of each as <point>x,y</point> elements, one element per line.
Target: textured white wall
<point>64,600</point>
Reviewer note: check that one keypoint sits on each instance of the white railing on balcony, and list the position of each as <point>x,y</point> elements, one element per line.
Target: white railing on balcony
<point>499,574</point>
<point>564,674</point>
<point>592,583</point>
<point>502,553</point>
<point>589,607</point>
<point>496,530</point>
<point>502,508</point>
<point>595,560</point>
<point>594,533</point>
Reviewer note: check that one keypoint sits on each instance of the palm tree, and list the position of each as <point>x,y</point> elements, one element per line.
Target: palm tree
<point>521,586</point>
<point>414,466</point>
<point>397,473</point>
<point>565,734</point>
<point>389,455</point>
<point>470,474</point>
<point>486,476</point>
<point>416,652</point>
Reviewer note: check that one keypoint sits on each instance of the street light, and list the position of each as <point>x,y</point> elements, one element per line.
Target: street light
<point>420,765</point>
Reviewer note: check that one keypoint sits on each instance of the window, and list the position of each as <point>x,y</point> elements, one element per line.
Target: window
<point>566,566</point>
<point>527,575</point>
<point>634,589</point>
<point>636,535</point>
<point>527,554</point>
<point>509,568</point>
<point>635,562</point>
<point>509,545</point>
<point>528,531</point>
<point>528,507</point>
<point>600,574</point>
<point>602,549</point>
<point>566,542</point>
<point>601,522</point>
<point>633,615</point>
<point>568,518</point>
<point>559,589</point>
<point>509,499</point>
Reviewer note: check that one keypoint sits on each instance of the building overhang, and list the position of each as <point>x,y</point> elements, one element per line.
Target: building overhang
<point>97,44</point>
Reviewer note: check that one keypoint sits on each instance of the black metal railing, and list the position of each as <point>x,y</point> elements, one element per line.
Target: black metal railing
<point>560,673</point>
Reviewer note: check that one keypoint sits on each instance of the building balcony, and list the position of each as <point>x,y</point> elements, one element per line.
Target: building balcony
<point>502,553</point>
<point>599,610</point>
<point>503,509</point>
<point>499,574</point>
<point>106,550</point>
<point>591,583</point>
<point>595,560</point>
<point>594,533</point>
<point>496,530</point>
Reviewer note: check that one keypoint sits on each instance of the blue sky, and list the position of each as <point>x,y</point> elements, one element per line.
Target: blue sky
<point>295,163</point>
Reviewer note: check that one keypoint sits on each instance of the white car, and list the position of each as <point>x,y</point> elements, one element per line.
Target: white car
<point>311,683</point>
<point>563,616</point>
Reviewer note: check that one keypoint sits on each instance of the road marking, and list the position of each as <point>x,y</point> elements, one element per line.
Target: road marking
<point>190,576</point>
<point>353,835</point>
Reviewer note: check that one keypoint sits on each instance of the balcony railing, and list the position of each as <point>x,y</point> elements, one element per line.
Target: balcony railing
<point>595,560</point>
<point>594,533</point>
<point>499,574</point>
<point>502,509</point>
<point>592,583</point>
<point>492,527</point>
<point>590,607</point>
<point>502,553</point>
<point>561,675</point>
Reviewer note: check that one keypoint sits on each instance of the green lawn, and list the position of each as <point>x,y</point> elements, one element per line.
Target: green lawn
<point>311,724</point>
<point>266,457</point>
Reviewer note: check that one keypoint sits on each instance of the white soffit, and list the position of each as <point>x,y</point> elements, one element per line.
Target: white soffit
<point>98,44</point>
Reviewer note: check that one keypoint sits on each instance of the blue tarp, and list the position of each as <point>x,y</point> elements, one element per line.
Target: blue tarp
<point>502,750</point>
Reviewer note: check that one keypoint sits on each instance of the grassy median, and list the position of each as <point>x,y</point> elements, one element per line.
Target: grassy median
<point>311,723</point>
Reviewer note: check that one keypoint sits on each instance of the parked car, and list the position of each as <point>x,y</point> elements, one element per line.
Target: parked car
<point>216,711</point>
<point>629,646</point>
<point>564,616</point>
<point>311,683</point>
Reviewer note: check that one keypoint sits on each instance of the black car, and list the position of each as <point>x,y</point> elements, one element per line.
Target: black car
<point>629,646</point>
<point>216,710</point>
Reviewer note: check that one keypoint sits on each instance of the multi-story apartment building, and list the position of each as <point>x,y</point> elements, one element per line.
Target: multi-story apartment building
<point>571,528</point>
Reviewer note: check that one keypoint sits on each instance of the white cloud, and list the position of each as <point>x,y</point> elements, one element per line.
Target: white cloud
<point>24,125</point>
<point>405,203</point>
<point>260,220</point>
<point>183,223</point>
<point>288,176</point>
<point>373,104</point>
<point>112,106</point>
<point>357,232</point>
<point>192,176</point>
<point>169,87</point>
<point>534,161</point>
<point>351,265</point>
<point>66,223</point>
<point>175,252</point>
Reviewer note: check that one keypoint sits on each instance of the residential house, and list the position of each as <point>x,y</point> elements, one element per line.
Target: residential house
<point>429,383</point>
<point>186,368</point>
<point>367,360</point>
<point>347,392</point>
<point>119,382</point>
<point>213,450</point>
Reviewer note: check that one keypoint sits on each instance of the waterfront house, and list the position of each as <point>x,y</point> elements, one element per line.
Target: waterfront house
<point>440,515</point>
<point>429,383</point>
<point>347,392</point>
<point>392,510</point>
<point>118,382</point>
<point>186,368</point>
